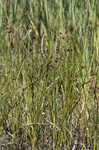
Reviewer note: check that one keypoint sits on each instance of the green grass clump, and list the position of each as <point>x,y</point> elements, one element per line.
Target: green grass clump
<point>49,74</point>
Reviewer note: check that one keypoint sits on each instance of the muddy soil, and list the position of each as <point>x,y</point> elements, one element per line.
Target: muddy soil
<point>7,144</point>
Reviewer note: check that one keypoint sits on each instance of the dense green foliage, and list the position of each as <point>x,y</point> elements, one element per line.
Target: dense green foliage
<point>49,74</point>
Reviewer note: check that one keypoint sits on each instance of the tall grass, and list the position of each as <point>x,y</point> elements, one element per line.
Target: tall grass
<point>49,76</point>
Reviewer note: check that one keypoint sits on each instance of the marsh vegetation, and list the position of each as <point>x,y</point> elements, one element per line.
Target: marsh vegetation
<point>49,75</point>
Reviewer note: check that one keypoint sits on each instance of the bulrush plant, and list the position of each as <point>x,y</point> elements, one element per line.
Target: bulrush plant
<point>49,78</point>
